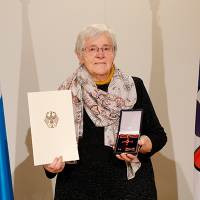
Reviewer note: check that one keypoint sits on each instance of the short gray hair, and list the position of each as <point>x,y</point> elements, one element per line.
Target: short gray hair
<point>95,30</point>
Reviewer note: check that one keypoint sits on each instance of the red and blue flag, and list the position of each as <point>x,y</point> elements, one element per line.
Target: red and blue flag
<point>197,147</point>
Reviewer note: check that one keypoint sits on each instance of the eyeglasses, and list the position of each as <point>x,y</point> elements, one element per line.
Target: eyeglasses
<point>93,50</point>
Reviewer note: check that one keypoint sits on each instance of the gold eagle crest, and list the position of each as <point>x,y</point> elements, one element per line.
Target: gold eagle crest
<point>51,119</point>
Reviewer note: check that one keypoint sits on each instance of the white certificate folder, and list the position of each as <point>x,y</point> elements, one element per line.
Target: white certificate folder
<point>52,126</point>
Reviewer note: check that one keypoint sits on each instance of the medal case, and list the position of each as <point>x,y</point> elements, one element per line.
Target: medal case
<point>128,131</point>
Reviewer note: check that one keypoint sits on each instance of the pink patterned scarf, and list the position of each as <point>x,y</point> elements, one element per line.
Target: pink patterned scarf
<point>102,107</point>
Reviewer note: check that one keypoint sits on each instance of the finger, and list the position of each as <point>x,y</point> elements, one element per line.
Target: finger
<point>51,165</point>
<point>130,156</point>
<point>124,156</point>
<point>119,157</point>
<point>62,166</point>
<point>141,142</point>
<point>59,163</point>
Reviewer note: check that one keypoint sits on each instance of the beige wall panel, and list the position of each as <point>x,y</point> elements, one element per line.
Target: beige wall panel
<point>131,21</point>
<point>179,23</point>
<point>10,52</point>
<point>54,28</point>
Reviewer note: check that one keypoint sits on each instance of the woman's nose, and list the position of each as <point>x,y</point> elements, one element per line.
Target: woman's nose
<point>100,53</point>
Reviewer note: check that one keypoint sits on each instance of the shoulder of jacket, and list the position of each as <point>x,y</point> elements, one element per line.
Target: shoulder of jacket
<point>137,79</point>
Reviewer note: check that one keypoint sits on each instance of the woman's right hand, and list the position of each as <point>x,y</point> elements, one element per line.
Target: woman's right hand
<point>56,166</point>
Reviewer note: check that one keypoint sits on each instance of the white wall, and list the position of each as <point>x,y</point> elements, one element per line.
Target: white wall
<point>158,41</point>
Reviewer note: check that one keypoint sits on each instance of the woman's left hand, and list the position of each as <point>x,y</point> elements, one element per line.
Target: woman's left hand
<point>145,146</point>
<point>126,157</point>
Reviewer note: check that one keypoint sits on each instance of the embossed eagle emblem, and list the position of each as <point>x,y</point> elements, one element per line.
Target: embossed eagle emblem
<point>51,119</point>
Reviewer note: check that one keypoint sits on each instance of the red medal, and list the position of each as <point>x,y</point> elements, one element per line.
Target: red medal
<point>129,149</point>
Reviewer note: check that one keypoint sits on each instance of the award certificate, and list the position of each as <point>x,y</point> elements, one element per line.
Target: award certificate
<point>52,126</point>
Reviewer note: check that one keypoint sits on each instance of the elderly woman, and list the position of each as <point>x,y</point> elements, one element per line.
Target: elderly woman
<point>99,91</point>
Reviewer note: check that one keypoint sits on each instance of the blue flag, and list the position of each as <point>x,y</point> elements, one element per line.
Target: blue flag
<point>6,190</point>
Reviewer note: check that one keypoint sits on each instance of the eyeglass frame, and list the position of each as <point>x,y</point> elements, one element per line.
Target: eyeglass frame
<point>113,48</point>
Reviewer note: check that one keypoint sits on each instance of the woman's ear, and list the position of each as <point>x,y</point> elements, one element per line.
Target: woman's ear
<point>80,59</point>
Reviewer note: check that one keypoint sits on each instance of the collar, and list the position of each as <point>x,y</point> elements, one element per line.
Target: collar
<point>108,79</point>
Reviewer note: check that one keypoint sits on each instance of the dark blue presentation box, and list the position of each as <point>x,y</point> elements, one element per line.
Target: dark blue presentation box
<point>129,131</point>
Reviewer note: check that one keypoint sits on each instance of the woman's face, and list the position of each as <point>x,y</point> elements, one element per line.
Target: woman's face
<point>98,65</point>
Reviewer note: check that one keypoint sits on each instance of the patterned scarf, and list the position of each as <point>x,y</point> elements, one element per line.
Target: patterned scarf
<point>102,107</point>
